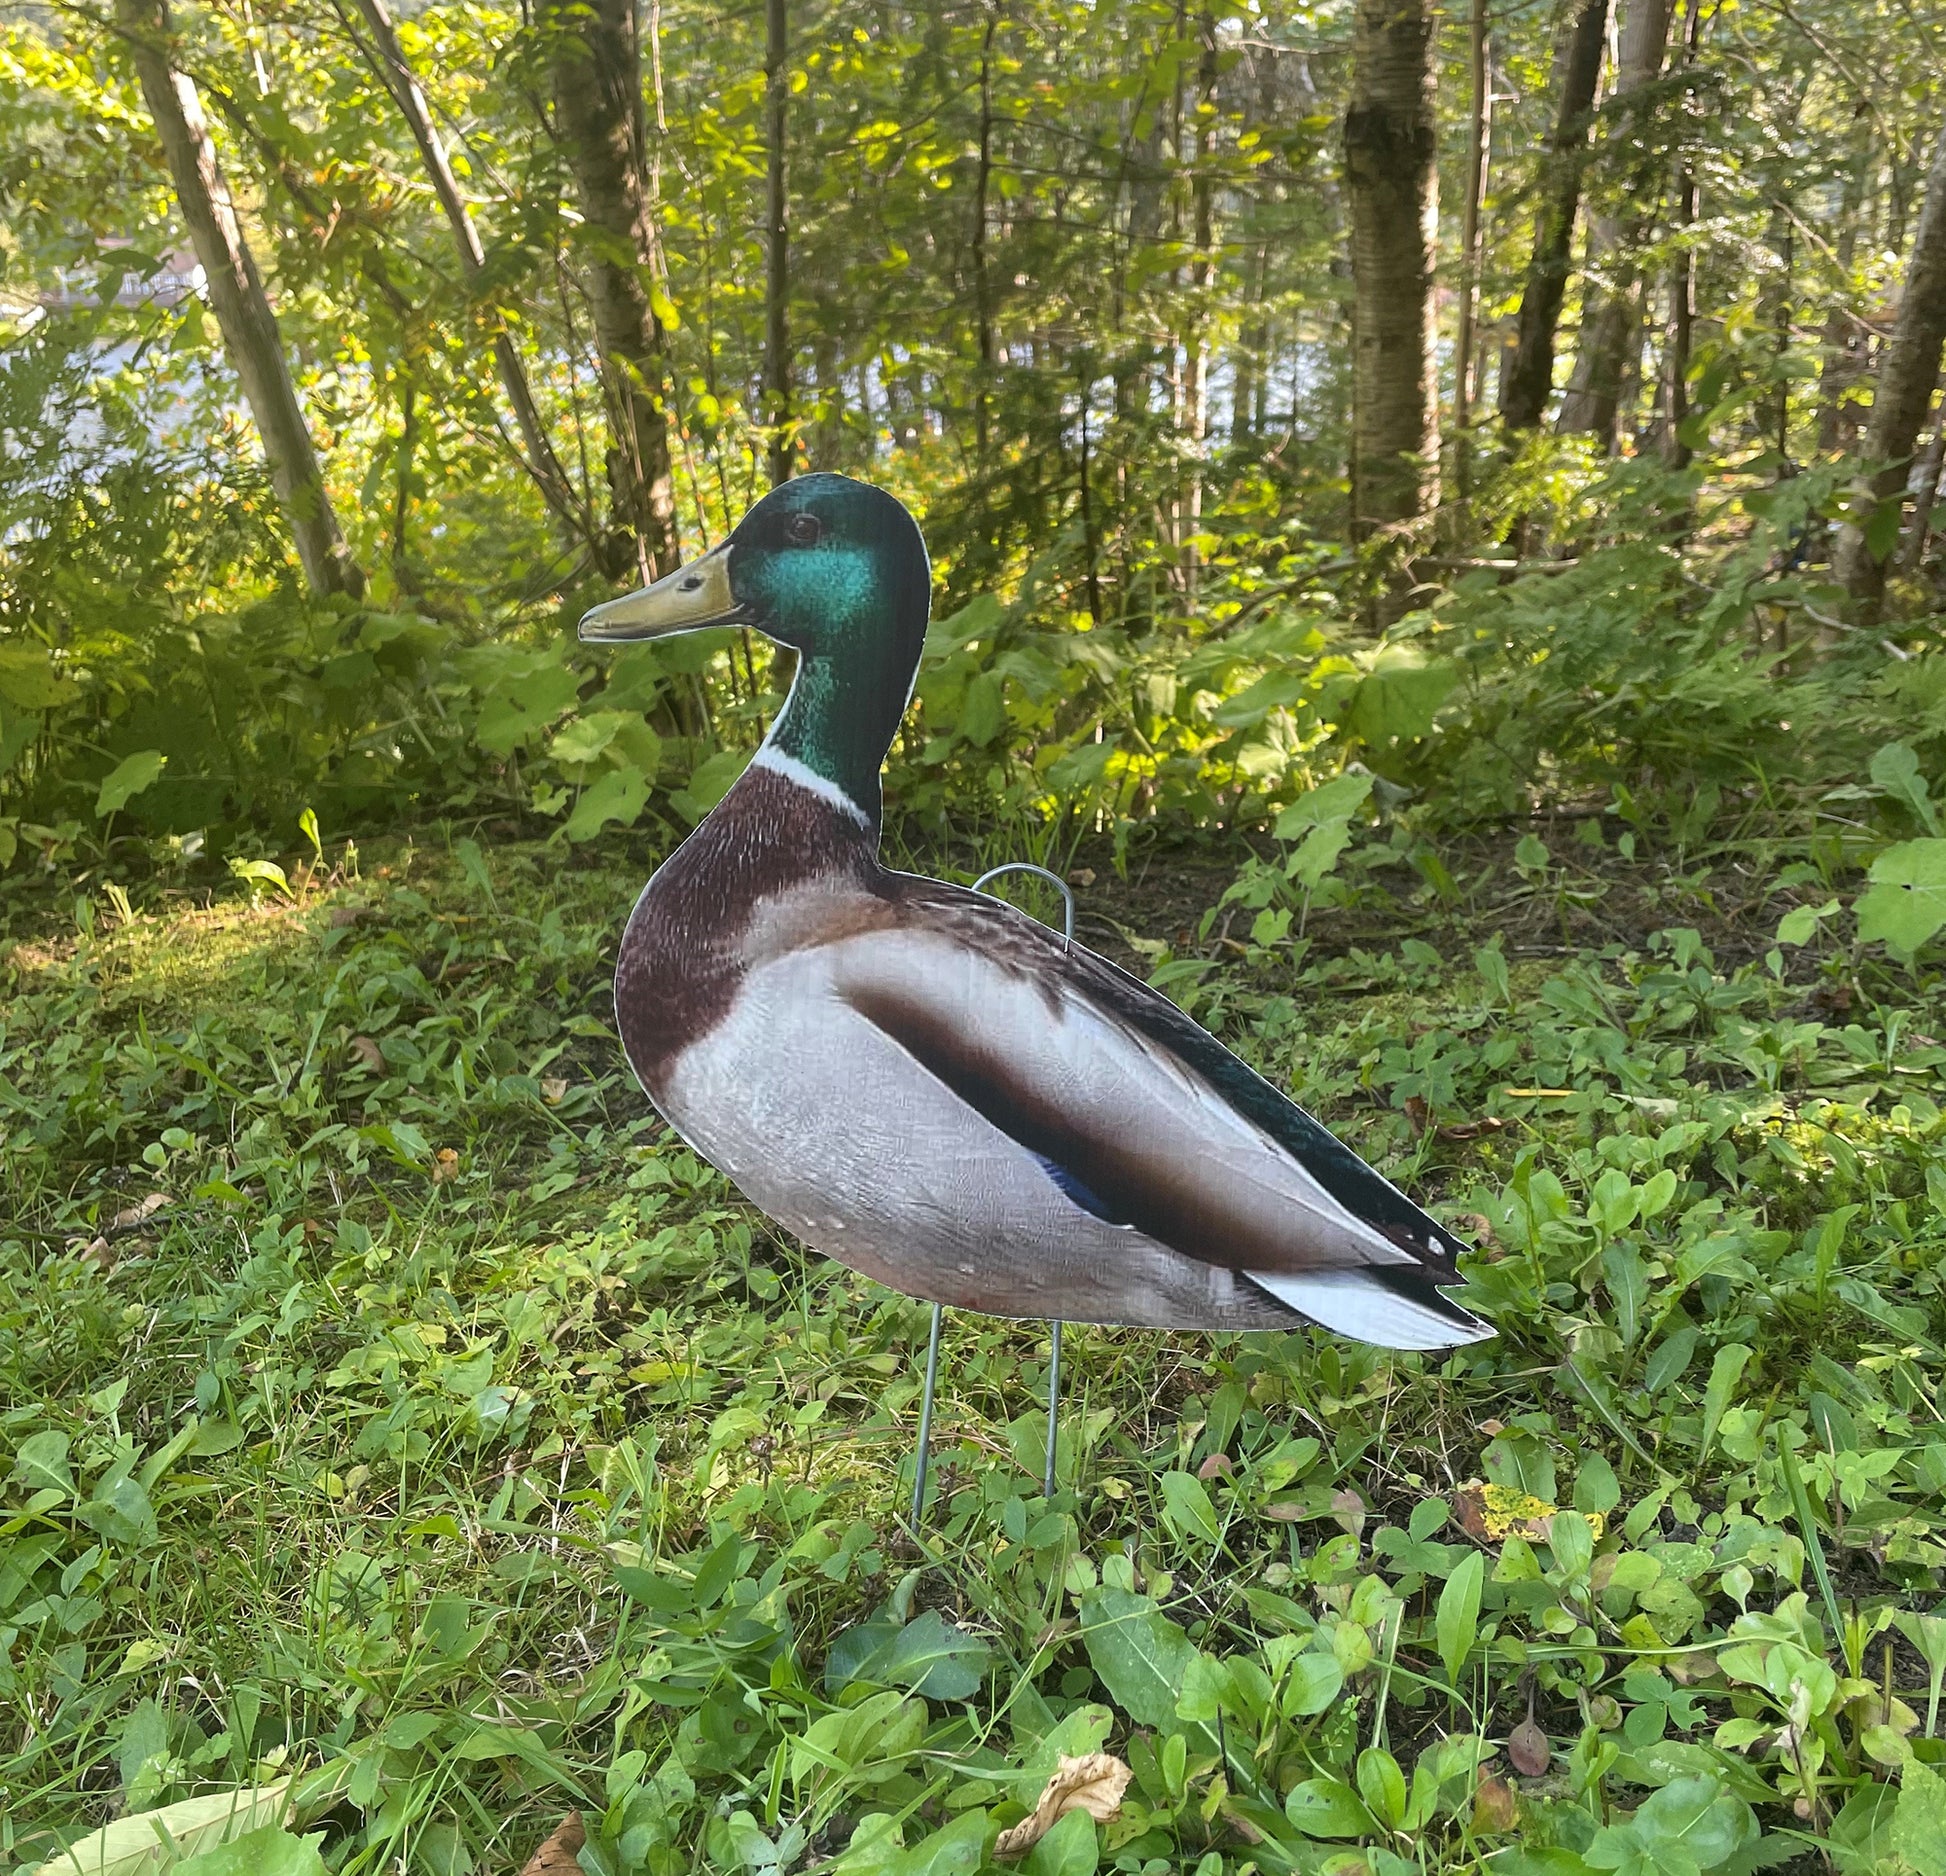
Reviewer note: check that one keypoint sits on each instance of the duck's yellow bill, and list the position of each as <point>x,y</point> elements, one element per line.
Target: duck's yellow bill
<point>684,601</point>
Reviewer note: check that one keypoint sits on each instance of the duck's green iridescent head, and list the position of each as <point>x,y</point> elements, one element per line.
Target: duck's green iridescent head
<point>837,571</point>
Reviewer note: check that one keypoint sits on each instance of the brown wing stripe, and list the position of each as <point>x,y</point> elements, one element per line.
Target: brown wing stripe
<point>1169,1201</point>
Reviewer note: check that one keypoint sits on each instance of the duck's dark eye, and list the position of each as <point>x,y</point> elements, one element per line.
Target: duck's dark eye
<point>803,530</point>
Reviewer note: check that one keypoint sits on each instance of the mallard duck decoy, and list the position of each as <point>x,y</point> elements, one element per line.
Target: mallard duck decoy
<point>926,1084</point>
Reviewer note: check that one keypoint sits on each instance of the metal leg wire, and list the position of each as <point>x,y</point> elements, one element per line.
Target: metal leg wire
<point>925,1419</point>
<point>1053,1402</point>
<point>923,1460</point>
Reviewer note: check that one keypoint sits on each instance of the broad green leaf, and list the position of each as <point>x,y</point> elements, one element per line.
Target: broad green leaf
<point>1141,1656</point>
<point>1458,1619</point>
<point>1798,924</point>
<point>983,711</point>
<point>956,1850</point>
<point>1905,904</point>
<point>712,780</point>
<point>153,1840</point>
<point>1187,1509</point>
<point>1919,1822</point>
<point>269,1851</point>
<point>1596,1489</point>
<point>932,1657</point>
<point>519,713</point>
<point>41,1463</point>
<point>619,796</point>
<point>30,679</point>
<point>1382,1785</point>
<point>1328,1807</point>
<point>1070,1848</point>
<point>1397,703</point>
<point>1314,1682</point>
<point>1337,800</point>
<point>1896,770</point>
<point>127,779</point>
<point>1725,1372</point>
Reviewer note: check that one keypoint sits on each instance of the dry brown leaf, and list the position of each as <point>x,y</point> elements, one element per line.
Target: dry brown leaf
<point>139,1213</point>
<point>1495,1806</point>
<point>556,1856</point>
<point>554,1089</point>
<point>1528,1749</point>
<point>1217,1465</point>
<point>1418,1113</point>
<point>1472,1129</point>
<point>1093,1784</point>
<point>101,1254</point>
<point>1348,1511</point>
<point>445,1166</point>
<point>369,1053</point>
<point>1082,876</point>
<point>342,915</point>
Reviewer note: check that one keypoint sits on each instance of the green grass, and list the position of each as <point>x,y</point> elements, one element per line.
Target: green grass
<point>452,1429</point>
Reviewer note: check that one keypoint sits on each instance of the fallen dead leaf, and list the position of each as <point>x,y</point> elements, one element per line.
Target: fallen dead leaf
<point>1418,1113</point>
<point>1082,876</point>
<point>342,915</point>
<point>1217,1465</point>
<point>1472,1129</point>
<point>1094,1784</point>
<point>369,1053</point>
<point>1528,1750</point>
<point>1493,1428</point>
<point>1348,1511</point>
<point>445,1166</point>
<point>100,1254</point>
<point>1490,1514</point>
<point>554,1089</point>
<point>139,1213</point>
<point>1496,1807</point>
<point>557,1854</point>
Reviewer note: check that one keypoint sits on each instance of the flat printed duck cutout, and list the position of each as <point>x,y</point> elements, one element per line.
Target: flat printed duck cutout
<point>928,1085</point>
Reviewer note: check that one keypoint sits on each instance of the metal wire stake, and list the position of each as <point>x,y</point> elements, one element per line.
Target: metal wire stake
<point>925,1418</point>
<point>1053,1403</point>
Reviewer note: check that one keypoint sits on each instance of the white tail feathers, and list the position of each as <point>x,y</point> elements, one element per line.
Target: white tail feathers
<point>1365,1306</point>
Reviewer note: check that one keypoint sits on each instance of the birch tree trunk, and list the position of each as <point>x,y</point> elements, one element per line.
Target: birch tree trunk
<point>1528,385</point>
<point>1611,320</point>
<point>1901,398</point>
<point>542,465</point>
<point>1392,190</point>
<point>597,76</point>
<point>251,340</point>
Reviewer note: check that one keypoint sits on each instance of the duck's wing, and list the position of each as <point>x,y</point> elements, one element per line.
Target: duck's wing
<point>1145,1119</point>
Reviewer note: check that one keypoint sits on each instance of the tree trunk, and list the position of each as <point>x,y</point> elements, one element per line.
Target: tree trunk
<point>1682,287</point>
<point>1203,291</point>
<point>982,285</point>
<point>1479,140</point>
<point>1900,400</point>
<point>1846,336</point>
<point>597,74</point>
<point>777,272</point>
<point>1912,554</point>
<point>1577,72</point>
<point>1392,187</point>
<point>1611,320</point>
<point>389,61</point>
<point>250,337</point>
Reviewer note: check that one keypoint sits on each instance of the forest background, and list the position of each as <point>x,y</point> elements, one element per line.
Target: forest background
<point>1434,523</point>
